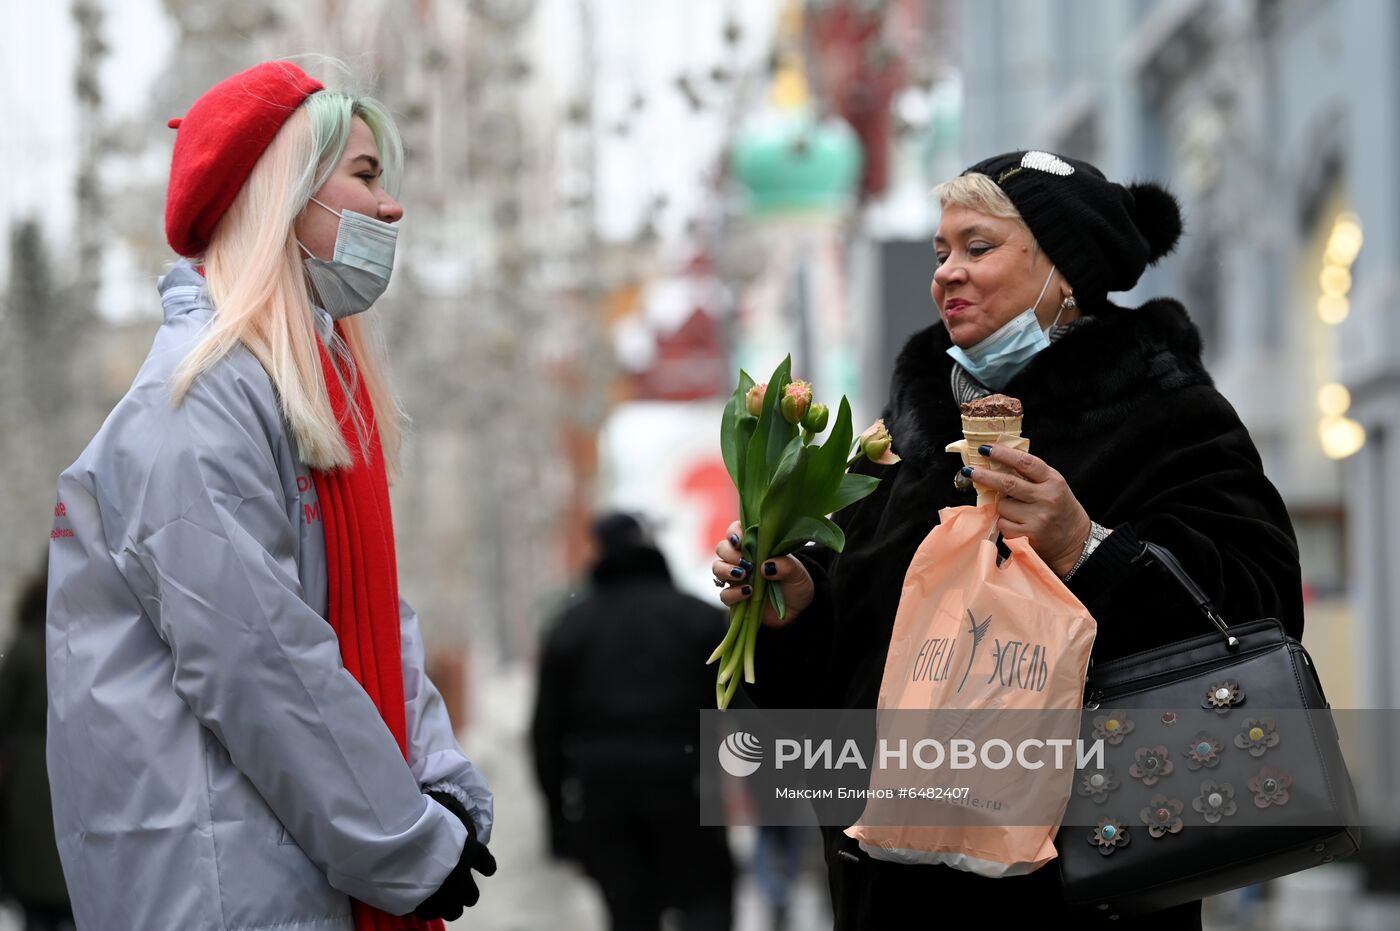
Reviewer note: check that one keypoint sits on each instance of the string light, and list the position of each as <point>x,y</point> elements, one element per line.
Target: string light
<point>1343,246</point>
<point>1333,399</point>
<point>1340,435</point>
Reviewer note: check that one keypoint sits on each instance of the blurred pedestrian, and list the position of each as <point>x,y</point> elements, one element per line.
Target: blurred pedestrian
<point>241,733</point>
<point>30,871</point>
<point>622,679</point>
<point>776,858</point>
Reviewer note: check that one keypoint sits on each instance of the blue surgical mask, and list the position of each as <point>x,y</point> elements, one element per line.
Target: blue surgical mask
<point>358,272</point>
<point>1001,356</point>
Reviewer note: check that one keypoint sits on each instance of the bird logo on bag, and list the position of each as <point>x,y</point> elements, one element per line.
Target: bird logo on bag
<point>978,632</point>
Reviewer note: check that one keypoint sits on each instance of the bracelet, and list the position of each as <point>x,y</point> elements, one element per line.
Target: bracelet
<point>1097,534</point>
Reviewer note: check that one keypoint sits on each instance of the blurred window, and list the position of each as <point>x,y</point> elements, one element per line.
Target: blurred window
<point>1322,550</point>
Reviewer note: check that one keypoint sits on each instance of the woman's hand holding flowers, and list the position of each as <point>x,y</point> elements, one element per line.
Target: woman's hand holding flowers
<point>787,573</point>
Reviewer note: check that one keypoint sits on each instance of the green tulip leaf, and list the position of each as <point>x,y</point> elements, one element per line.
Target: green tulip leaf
<point>853,488</point>
<point>729,439</point>
<point>775,595</point>
<point>819,530</point>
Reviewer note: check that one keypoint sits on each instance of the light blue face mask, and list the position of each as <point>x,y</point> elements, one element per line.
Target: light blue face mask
<point>1000,357</point>
<point>359,271</point>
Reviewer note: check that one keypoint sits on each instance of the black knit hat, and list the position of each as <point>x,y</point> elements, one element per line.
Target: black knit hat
<point>1100,235</point>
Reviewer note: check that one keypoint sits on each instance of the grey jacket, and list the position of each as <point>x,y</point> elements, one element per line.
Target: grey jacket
<point>213,764</point>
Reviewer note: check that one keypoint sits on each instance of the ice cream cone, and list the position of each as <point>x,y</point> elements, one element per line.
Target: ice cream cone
<point>998,430</point>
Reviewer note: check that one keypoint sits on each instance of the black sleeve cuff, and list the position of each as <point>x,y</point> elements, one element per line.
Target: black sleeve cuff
<point>790,661</point>
<point>1108,566</point>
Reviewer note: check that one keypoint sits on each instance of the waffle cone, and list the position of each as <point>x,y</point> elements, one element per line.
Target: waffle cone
<point>991,424</point>
<point>967,449</point>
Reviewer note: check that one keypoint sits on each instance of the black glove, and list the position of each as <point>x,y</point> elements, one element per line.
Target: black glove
<point>459,889</point>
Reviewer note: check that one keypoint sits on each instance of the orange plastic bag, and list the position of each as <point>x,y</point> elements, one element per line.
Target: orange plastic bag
<point>986,638</point>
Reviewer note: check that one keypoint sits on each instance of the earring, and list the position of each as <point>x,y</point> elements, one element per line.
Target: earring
<point>1069,303</point>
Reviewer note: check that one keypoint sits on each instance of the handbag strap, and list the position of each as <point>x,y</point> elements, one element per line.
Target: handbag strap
<point>1154,554</point>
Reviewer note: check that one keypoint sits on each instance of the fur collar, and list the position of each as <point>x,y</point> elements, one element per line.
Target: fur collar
<point>1084,382</point>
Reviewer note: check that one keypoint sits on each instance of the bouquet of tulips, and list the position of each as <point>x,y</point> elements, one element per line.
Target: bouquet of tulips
<point>788,483</point>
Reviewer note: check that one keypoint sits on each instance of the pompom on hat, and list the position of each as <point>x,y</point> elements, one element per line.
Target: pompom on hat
<point>1100,235</point>
<point>219,141</point>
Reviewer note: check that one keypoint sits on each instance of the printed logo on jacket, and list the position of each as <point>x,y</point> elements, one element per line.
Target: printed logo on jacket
<point>310,510</point>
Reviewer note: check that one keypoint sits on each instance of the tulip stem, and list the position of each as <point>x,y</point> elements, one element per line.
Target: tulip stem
<point>730,666</point>
<point>728,692</point>
<point>736,619</point>
<point>752,622</point>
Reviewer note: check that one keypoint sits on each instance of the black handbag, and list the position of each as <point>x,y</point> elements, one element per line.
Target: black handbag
<point>1207,743</point>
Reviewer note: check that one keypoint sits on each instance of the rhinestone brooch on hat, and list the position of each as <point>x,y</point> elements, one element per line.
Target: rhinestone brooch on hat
<point>1044,161</point>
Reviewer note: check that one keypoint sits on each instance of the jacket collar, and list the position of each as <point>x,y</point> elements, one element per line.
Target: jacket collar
<point>182,289</point>
<point>1085,382</point>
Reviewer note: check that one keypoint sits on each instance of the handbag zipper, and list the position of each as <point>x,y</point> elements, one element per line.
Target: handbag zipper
<point>1140,685</point>
<point>1096,697</point>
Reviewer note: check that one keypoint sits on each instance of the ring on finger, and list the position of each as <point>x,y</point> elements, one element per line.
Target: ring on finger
<point>720,583</point>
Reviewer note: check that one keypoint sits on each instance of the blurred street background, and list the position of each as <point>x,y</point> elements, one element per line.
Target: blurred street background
<point>613,205</point>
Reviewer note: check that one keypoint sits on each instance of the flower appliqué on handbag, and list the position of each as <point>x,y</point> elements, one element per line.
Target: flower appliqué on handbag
<point>1098,784</point>
<point>1109,836</point>
<point>1150,764</point>
<point>1270,787</point>
<point>1163,816</point>
<point>1222,696</point>
<point>1257,736</point>
<point>1215,802</point>
<point>1204,750</point>
<point>1113,727</point>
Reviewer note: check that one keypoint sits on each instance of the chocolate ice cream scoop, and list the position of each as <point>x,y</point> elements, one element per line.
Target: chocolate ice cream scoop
<point>993,405</point>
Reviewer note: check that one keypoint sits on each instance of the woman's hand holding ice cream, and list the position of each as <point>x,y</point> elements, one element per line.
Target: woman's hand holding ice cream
<point>1035,503</point>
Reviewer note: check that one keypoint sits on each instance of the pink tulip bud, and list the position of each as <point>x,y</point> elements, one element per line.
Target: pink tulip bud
<point>875,444</point>
<point>754,398</point>
<point>797,398</point>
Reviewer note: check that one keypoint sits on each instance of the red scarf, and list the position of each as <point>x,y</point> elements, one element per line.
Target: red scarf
<point>364,587</point>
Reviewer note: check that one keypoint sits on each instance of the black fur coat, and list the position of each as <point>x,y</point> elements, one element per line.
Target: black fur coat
<point>1123,408</point>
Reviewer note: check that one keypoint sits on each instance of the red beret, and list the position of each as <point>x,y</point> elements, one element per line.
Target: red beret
<point>219,141</point>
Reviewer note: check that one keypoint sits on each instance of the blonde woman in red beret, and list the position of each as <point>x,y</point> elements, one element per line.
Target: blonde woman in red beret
<point>241,734</point>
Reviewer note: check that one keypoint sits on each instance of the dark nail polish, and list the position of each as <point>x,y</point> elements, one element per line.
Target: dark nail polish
<point>745,565</point>
<point>734,539</point>
<point>770,568</point>
<point>966,471</point>
<point>747,590</point>
<point>984,450</point>
<point>737,573</point>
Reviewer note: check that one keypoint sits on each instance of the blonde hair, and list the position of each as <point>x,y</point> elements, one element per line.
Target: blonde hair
<point>980,193</point>
<point>977,192</point>
<point>261,296</point>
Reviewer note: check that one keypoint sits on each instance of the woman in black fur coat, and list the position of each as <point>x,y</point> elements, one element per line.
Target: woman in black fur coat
<point>1132,443</point>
